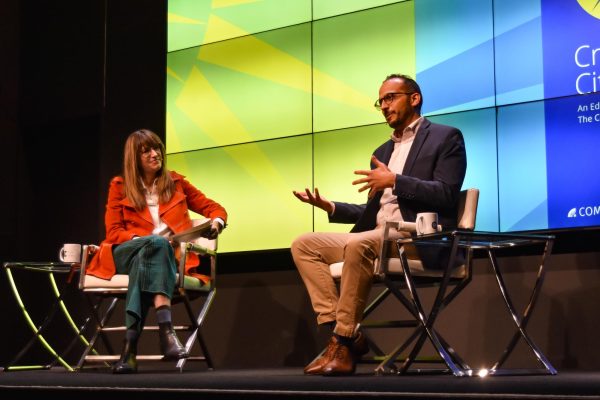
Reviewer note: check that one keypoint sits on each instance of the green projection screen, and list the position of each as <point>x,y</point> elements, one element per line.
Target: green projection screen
<point>269,96</point>
<point>252,181</point>
<point>259,106</point>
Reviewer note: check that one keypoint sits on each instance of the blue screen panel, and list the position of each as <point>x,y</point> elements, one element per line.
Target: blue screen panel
<point>518,51</point>
<point>455,54</point>
<point>572,145</point>
<point>571,42</point>
<point>479,130</point>
<point>522,167</point>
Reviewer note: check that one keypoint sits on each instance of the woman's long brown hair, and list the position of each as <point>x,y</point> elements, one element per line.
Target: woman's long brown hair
<point>132,170</point>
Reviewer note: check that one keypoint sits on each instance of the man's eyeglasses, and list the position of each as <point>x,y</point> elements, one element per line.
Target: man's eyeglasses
<point>388,98</point>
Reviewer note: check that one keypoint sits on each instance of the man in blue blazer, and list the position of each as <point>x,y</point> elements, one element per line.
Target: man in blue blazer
<point>420,169</point>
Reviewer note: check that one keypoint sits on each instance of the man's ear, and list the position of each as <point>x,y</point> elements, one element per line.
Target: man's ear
<point>415,99</point>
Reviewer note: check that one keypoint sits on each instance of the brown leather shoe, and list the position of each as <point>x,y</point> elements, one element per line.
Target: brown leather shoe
<point>360,347</point>
<point>341,363</point>
<point>316,366</point>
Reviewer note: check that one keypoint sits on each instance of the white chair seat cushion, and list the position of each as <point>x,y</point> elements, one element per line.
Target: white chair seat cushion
<point>116,282</point>
<point>395,268</point>
<point>120,282</point>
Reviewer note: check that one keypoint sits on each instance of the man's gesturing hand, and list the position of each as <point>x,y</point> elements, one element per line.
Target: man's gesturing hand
<point>375,179</point>
<point>315,199</point>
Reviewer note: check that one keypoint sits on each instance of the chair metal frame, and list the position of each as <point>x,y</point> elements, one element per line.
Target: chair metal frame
<point>102,301</point>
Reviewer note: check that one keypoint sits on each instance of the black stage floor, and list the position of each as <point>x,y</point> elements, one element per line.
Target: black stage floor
<point>290,383</point>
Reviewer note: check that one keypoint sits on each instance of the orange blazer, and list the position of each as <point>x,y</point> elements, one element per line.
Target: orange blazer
<point>123,221</point>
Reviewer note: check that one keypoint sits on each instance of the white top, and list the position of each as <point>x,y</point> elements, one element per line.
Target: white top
<point>389,210</point>
<point>160,228</point>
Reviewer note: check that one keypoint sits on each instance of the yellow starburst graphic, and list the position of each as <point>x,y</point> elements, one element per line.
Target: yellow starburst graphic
<point>231,3</point>
<point>180,19</point>
<point>592,7</point>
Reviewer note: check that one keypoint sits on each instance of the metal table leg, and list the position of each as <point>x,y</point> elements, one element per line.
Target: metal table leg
<point>427,321</point>
<point>521,322</point>
<point>37,332</point>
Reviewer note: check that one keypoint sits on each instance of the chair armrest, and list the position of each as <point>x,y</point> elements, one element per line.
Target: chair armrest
<point>389,237</point>
<point>199,229</point>
<point>203,247</point>
<point>404,226</point>
<point>407,226</point>
<point>199,249</point>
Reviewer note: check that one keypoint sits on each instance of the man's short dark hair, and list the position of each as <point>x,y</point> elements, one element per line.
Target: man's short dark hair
<point>412,85</point>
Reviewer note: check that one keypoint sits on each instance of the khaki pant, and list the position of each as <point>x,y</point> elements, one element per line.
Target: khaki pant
<point>313,252</point>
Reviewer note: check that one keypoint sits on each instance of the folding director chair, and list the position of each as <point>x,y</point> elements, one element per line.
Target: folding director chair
<point>103,295</point>
<point>389,273</point>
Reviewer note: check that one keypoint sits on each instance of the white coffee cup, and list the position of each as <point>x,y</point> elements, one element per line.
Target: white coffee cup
<point>427,223</point>
<point>70,253</point>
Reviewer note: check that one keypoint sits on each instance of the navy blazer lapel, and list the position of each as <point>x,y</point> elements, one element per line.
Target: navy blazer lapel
<point>420,138</point>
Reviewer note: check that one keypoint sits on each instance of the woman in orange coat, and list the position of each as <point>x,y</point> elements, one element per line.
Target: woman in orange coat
<point>146,206</point>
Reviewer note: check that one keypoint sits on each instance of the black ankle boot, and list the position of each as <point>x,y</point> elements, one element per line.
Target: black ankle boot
<point>170,346</point>
<point>127,364</point>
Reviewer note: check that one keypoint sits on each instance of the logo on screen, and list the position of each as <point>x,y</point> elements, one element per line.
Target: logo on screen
<point>592,7</point>
<point>585,211</point>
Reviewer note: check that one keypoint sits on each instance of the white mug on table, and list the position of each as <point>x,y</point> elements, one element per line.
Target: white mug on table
<point>70,253</point>
<point>426,223</point>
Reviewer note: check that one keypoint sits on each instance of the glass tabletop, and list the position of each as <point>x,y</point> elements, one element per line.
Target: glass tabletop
<point>478,239</point>
<point>41,266</point>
